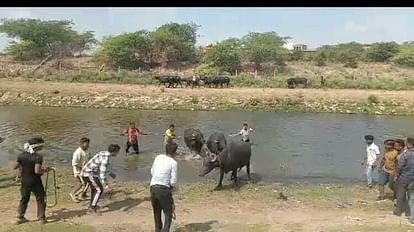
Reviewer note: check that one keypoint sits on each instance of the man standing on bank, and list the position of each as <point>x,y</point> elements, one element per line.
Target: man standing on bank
<point>370,160</point>
<point>80,157</point>
<point>30,164</point>
<point>163,182</point>
<point>405,183</point>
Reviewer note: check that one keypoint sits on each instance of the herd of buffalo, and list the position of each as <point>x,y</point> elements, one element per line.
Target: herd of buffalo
<point>216,152</point>
<point>173,81</point>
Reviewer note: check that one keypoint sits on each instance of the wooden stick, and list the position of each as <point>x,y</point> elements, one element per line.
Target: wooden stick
<point>41,63</point>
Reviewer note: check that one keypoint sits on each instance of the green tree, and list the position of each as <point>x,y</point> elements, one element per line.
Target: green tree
<point>84,42</point>
<point>35,38</point>
<point>24,50</point>
<point>225,55</point>
<point>341,53</point>
<point>320,58</point>
<point>45,37</point>
<point>173,42</point>
<point>351,62</point>
<point>382,52</point>
<point>128,50</point>
<point>296,56</point>
<point>264,47</point>
<point>405,57</point>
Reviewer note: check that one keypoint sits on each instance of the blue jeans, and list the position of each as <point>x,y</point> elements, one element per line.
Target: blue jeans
<point>369,174</point>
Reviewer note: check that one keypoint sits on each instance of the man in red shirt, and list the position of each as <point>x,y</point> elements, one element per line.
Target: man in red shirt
<point>132,134</point>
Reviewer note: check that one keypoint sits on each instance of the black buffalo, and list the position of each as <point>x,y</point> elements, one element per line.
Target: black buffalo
<point>222,80</point>
<point>234,156</point>
<point>194,140</point>
<point>172,81</point>
<point>208,81</point>
<point>216,142</point>
<point>295,81</point>
<point>216,81</point>
<point>191,81</point>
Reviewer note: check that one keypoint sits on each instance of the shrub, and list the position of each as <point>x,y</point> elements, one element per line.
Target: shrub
<point>373,99</point>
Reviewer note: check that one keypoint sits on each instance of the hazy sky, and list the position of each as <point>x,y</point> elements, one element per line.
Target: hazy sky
<point>312,26</point>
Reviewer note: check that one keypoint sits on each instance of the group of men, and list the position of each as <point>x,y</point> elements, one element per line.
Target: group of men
<point>396,168</point>
<point>93,172</point>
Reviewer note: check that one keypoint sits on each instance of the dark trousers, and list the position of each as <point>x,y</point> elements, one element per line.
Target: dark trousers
<point>402,202</point>
<point>161,200</point>
<point>96,191</point>
<point>133,145</point>
<point>83,186</point>
<point>38,190</point>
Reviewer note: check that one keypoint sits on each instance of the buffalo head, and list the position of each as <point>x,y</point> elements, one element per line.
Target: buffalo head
<point>210,161</point>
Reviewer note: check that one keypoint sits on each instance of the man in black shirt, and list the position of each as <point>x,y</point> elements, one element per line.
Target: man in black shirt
<point>30,164</point>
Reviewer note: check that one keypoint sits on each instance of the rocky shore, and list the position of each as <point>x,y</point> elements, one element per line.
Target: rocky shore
<point>47,94</point>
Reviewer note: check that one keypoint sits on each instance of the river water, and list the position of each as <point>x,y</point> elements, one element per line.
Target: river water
<point>289,146</point>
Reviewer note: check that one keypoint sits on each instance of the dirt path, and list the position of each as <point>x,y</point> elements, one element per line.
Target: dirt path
<point>107,89</point>
<point>135,214</point>
<point>125,96</point>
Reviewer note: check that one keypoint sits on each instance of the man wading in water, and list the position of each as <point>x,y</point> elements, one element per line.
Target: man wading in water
<point>244,133</point>
<point>132,134</point>
<point>30,164</point>
<point>170,135</point>
<point>163,182</point>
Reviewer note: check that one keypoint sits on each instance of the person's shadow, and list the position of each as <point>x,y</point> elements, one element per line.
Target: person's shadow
<point>199,227</point>
<point>64,214</point>
<point>125,204</point>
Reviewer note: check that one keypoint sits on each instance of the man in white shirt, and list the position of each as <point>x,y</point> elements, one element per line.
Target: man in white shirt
<point>163,181</point>
<point>79,159</point>
<point>370,161</point>
<point>244,133</point>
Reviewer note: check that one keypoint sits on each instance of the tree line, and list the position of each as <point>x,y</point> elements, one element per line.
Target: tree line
<point>174,45</point>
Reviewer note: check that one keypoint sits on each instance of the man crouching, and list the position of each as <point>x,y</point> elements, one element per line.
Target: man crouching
<point>95,173</point>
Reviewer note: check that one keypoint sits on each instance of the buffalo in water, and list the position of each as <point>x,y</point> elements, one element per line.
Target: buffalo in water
<point>296,81</point>
<point>194,140</point>
<point>234,156</point>
<point>216,142</point>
